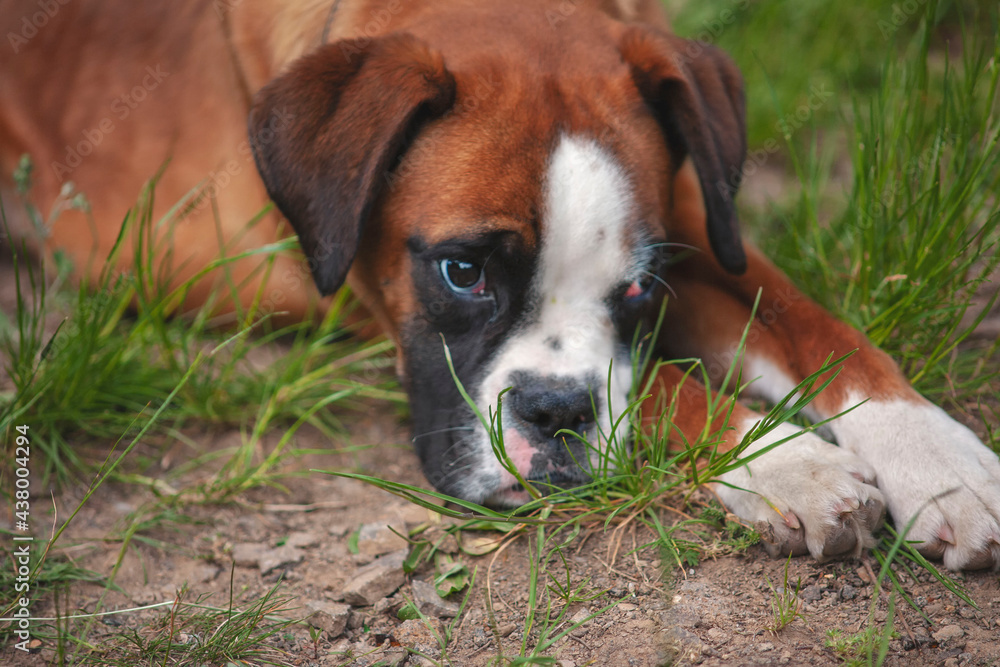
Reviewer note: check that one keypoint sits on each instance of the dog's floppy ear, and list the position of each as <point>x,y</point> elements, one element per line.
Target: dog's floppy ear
<point>696,93</point>
<point>326,131</point>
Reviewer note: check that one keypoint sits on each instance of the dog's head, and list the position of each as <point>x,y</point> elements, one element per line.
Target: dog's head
<point>513,202</point>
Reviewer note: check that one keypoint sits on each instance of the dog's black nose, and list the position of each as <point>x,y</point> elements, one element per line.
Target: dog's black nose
<point>551,404</point>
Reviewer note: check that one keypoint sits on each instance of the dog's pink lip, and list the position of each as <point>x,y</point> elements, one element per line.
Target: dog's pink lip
<point>520,453</point>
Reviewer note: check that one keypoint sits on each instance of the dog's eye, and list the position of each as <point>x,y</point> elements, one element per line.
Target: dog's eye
<point>463,277</point>
<point>640,286</point>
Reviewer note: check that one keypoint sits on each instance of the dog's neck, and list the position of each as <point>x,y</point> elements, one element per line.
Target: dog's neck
<point>328,24</point>
<point>266,41</point>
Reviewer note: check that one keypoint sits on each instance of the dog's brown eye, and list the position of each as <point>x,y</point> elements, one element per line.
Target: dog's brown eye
<point>463,277</point>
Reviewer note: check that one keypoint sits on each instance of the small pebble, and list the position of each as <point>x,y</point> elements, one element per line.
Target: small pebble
<point>949,633</point>
<point>718,636</point>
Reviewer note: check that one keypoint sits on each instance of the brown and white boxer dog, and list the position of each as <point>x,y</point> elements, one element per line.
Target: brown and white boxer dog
<point>514,177</point>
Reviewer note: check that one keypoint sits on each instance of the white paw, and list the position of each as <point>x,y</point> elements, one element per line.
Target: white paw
<point>805,495</point>
<point>931,467</point>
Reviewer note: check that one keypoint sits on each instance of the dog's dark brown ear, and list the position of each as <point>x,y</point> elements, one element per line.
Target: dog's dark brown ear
<point>325,132</point>
<point>696,92</point>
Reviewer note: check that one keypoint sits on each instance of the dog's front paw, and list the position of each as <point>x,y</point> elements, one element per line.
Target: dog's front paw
<point>806,496</point>
<point>934,472</point>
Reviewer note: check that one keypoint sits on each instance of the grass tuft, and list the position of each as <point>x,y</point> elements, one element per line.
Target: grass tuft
<point>194,633</point>
<point>785,603</point>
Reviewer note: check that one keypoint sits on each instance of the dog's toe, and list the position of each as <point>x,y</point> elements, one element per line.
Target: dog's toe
<point>845,540</point>
<point>872,513</point>
<point>986,558</point>
<point>855,527</point>
<point>955,531</point>
<point>966,554</point>
<point>783,536</point>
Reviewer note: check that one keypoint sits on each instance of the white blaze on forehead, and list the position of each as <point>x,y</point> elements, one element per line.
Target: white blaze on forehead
<point>588,203</point>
